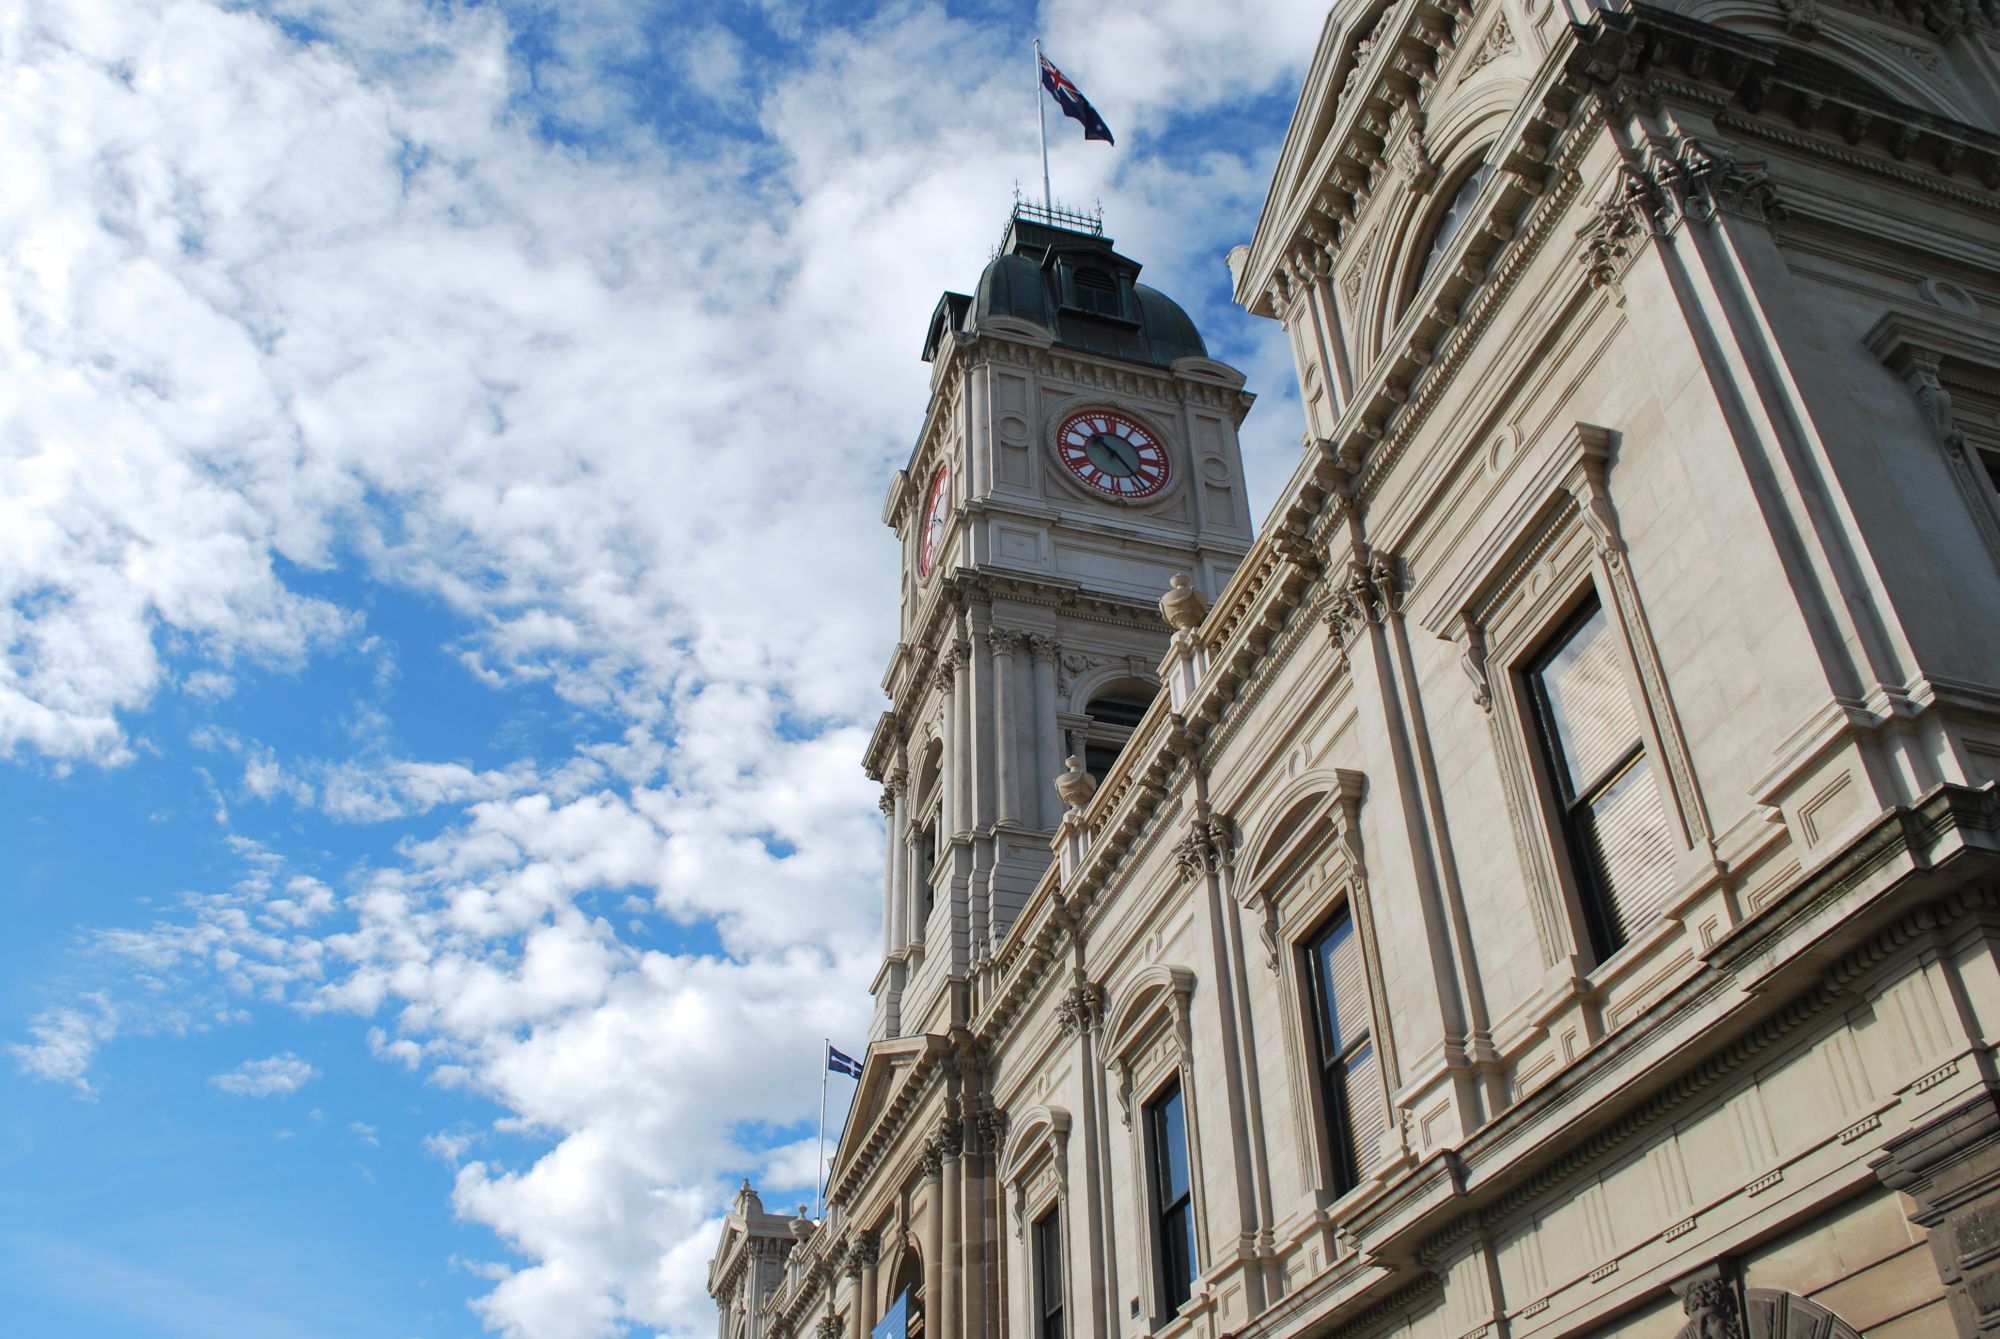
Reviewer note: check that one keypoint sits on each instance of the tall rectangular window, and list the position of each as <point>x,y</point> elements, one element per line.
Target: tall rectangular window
<point>1350,1082</point>
<point>1048,1276</point>
<point>1621,840</point>
<point>1173,1199</point>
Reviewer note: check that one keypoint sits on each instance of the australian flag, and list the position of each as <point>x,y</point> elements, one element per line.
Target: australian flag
<point>1074,105</point>
<point>840,1062</point>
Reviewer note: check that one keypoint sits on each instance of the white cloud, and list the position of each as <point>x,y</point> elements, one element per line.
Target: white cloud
<point>274,1076</point>
<point>65,1041</point>
<point>620,413</point>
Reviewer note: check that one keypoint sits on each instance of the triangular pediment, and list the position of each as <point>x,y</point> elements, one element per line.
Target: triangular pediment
<point>887,1066</point>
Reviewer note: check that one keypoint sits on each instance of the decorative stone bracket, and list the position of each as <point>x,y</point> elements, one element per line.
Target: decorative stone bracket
<point>1371,593</point>
<point>1667,181</point>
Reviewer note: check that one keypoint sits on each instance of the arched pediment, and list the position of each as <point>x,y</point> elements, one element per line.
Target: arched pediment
<point>1318,807</point>
<point>1034,1134</point>
<point>1157,989</point>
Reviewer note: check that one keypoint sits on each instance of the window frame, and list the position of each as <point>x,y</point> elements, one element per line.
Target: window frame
<point>1330,1071</point>
<point>1567,804</point>
<point>1049,1280</point>
<point>1172,1287</point>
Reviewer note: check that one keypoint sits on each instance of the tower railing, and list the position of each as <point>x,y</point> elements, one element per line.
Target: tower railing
<point>1056,216</point>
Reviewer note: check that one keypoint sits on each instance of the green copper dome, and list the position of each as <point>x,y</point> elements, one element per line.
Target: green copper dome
<point>1069,281</point>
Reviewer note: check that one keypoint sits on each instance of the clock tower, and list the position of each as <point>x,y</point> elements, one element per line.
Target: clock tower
<point>1078,451</point>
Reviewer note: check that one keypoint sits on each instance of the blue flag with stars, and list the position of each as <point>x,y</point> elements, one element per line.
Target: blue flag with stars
<point>1074,105</point>
<point>840,1062</point>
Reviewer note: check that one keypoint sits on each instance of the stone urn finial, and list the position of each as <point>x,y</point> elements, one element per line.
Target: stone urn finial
<point>1077,785</point>
<point>1182,605</point>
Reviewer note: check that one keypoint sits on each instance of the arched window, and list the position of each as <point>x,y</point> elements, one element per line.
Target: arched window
<point>927,836</point>
<point>906,1289</point>
<point>1450,223</point>
<point>1114,712</point>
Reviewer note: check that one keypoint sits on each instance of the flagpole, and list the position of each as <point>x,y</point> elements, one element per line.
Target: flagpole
<point>819,1178</point>
<point>1042,121</point>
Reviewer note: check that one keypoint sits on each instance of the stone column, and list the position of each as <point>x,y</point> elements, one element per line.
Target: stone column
<point>951,1144</point>
<point>972,1274</point>
<point>963,750</point>
<point>1048,744</point>
<point>1091,1270</point>
<point>852,1268</point>
<point>895,921</point>
<point>980,669</point>
<point>1006,764</point>
<point>933,1160</point>
<point>866,1303</point>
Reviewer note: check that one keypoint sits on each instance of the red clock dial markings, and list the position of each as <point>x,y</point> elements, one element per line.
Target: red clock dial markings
<point>935,506</point>
<point>1112,455</point>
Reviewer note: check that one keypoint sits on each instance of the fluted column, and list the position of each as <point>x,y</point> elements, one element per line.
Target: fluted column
<point>1048,746</point>
<point>1006,763</point>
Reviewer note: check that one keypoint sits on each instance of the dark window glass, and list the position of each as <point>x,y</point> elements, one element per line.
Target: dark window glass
<point>1621,841</point>
<point>1173,1202</point>
<point>1048,1276</point>
<point>1991,460</point>
<point>927,860</point>
<point>1096,291</point>
<point>1350,1081</point>
<point>1125,711</point>
<point>1452,222</point>
<point>1098,758</point>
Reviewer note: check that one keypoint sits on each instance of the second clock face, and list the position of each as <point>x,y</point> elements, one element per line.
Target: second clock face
<point>937,503</point>
<point>1112,455</point>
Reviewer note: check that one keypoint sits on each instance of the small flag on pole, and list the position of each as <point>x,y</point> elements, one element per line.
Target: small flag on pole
<point>840,1062</point>
<point>1074,105</point>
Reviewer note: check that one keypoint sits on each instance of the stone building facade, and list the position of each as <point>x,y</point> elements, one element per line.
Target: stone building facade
<point>1546,879</point>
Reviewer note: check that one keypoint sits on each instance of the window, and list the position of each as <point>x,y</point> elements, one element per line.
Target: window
<point>1621,842</point>
<point>927,860</point>
<point>1096,291</point>
<point>1453,220</point>
<point>1113,714</point>
<point>1048,1276</point>
<point>1173,1203</point>
<point>1350,1081</point>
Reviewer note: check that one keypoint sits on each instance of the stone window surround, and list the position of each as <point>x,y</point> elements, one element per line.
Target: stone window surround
<point>1149,1043</point>
<point>1558,541</point>
<point>1312,868</point>
<point>1037,1167</point>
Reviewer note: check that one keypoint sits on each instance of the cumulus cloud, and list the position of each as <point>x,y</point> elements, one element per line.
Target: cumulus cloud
<point>274,1076</point>
<point>361,295</point>
<point>65,1040</point>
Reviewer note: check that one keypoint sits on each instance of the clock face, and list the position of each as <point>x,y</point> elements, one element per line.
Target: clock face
<point>935,506</point>
<point>1112,455</point>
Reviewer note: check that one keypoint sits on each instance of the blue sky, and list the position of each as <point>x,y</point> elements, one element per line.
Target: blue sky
<point>441,458</point>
